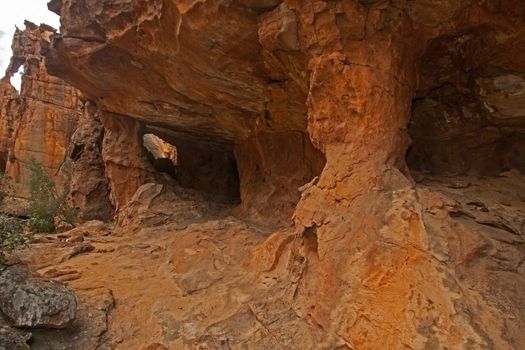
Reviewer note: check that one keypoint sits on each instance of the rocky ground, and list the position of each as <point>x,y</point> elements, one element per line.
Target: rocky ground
<point>217,282</point>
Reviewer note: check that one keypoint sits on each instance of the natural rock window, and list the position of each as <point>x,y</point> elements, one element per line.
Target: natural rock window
<point>162,154</point>
<point>16,79</point>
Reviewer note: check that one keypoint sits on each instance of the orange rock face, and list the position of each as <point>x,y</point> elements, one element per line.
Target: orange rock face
<point>46,114</point>
<point>48,122</point>
<point>270,178</point>
<point>9,104</point>
<point>88,183</point>
<point>125,159</point>
<point>333,123</point>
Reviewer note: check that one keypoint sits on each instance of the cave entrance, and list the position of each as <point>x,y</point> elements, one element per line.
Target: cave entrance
<point>468,116</point>
<point>206,167</point>
<point>453,133</point>
<point>162,154</point>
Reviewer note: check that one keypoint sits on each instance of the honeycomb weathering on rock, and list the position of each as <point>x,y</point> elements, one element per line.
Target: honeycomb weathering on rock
<point>305,111</point>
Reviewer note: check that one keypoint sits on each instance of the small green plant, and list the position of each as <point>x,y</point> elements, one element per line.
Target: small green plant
<point>13,234</point>
<point>45,202</point>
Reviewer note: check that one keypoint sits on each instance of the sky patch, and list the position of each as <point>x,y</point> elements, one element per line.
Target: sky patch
<point>12,15</point>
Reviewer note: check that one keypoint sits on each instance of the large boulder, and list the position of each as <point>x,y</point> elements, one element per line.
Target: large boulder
<point>13,339</point>
<point>31,302</point>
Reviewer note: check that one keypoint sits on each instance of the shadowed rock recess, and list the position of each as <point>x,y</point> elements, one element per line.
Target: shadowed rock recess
<point>265,174</point>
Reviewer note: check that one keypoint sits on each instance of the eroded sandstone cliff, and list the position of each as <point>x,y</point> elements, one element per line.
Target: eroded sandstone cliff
<point>349,174</point>
<point>42,116</point>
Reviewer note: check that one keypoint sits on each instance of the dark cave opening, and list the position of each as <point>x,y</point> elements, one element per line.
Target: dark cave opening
<point>468,114</point>
<point>452,135</point>
<point>208,168</point>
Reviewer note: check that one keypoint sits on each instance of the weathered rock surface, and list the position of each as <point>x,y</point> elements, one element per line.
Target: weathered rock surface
<point>468,112</point>
<point>227,93</point>
<point>46,113</point>
<point>270,177</point>
<point>156,204</point>
<point>48,122</point>
<point>231,103</point>
<point>89,326</point>
<point>312,104</point>
<point>13,339</point>
<point>88,184</point>
<point>33,303</point>
<point>162,154</point>
<point>225,282</point>
<point>9,104</point>
<point>126,170</point>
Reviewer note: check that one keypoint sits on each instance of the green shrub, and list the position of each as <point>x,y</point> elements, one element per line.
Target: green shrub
<point>45,202</point>
<point>12,235</point>
<point>12,230</point>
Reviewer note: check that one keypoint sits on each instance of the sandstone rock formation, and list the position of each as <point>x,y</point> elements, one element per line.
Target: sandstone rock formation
<point>9,104</point>
<point>88,183</point>
<point>231,103</point>
<point>467,114</point>
<point>46,111</point>
<point>126,170</point>
<point>49,122</point>
<point>162,154</point>
<point>376,149</point>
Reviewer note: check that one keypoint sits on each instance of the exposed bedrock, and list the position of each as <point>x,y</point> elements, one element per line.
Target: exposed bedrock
<point>89,186</point>
<point>43,115</point>
<point>126,163</point>
<point>49,122</point>
<point>138,57</point>
<point>283,87</point>
<point>272,166</point>
<point>468,115</point>
<point>9,104</point>
<point>138,62</point>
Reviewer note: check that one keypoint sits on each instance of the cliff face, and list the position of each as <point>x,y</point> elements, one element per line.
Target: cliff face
<point>9,103</point>
<point>332,123</point>
<point>143,56</point>
<point>47,121</point>
<point>46,111</point>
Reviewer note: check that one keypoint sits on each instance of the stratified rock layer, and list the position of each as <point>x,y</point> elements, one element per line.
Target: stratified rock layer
<point>47,122</point>
<point>9,104</point>
<point>46,114</point>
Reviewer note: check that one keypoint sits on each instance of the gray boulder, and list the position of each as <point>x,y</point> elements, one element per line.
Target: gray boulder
<point>14,339</point>
<point>35,303</point>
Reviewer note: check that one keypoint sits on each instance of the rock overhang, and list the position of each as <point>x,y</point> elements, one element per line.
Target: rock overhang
<point>164,62</point>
